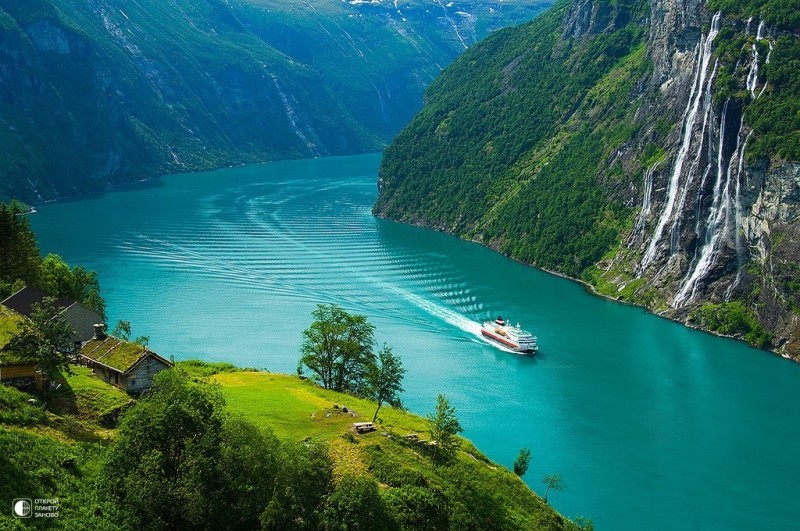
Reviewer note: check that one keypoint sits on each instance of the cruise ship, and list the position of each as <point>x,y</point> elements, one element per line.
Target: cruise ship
<point>509,336</point>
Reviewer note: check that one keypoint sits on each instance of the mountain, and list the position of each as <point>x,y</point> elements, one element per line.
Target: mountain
<point>98,92</point>
<point>647,147</point>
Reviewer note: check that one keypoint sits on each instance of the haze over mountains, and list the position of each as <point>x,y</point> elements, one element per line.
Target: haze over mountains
<point>108,91</point>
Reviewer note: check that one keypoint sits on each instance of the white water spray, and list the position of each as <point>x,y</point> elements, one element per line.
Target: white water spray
<point>752,75</point>
<point>647,200</point>
<point>701,78</point>
<point>691,174</point>
<point>715,223</point>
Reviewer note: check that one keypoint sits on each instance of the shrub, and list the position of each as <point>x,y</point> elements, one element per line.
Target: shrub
<point>14,408</point>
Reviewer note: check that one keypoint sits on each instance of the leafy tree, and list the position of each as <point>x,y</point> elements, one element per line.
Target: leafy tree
<point>356,505</point>
<point>169,443</point>
<point>444,426</point>
<point>385,378</point>
<point>337,349</point>
<point>122,330</point>
<point>249,462</point>
<point>414,507</point>
<point>45,338</point>
<point>19,253</point>
<point>553,482</point>
<point>522,462</point>
<point>304,480</point>
<point>142,340</point>
<point>56,278</point>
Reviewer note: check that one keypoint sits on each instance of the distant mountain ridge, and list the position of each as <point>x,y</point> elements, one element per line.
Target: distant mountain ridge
<point>96,92</point>
<point>647,147</point>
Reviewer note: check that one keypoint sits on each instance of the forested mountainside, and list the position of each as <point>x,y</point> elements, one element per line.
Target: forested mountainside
<point>94,92</point>
<point>648,147</point>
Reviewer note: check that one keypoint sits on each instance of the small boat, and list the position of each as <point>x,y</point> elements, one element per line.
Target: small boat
<point>512,337</point>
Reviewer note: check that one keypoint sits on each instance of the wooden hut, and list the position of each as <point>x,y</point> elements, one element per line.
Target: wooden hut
<point>15,370</point>
<point>126,365</point>
<point>78,316</point>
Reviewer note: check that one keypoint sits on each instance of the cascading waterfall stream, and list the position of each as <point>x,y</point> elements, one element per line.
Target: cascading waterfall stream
<point>647,201</point>
<point>724,219</point>
<point>752,75</point>
<point>708,114</point>
<point>716,226</point>
<point>701,78</point>
<point>740,251</point>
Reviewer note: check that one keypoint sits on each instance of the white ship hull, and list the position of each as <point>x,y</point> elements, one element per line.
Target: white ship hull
<point>510,337</point>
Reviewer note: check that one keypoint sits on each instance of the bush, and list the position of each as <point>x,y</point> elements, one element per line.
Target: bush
<point>356,504</point>
<point>417,507</point>
<point>732,319</point>
<point>14,408</point>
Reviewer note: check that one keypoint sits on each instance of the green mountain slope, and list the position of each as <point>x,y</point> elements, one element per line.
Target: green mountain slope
<point>509,145</point>
<point>646,147</point>
<point>112,91</point>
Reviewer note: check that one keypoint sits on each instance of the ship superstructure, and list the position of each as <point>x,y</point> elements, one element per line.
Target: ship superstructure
<point>512,337</point>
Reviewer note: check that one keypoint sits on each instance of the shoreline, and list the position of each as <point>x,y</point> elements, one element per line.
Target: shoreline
<point>591,289</point>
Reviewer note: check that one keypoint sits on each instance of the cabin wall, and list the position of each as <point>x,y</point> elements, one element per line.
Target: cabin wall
<point>17,371</point>
<point>23,376</point>
<point>140,378</point>
<point>109,376</point>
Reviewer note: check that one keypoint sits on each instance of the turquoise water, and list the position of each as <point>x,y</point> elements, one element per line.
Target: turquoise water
<point>650,424</point>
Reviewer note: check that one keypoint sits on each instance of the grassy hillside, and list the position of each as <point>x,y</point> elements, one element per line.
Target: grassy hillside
<point>58,451</point>
<point>297,409</point>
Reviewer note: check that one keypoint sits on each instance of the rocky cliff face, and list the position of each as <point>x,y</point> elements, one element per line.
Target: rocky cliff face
<point>684,116</point>
<point>713,228</point>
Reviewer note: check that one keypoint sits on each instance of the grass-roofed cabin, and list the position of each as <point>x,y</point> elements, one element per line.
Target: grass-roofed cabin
<point>15,370</point>
<point>126,365</point>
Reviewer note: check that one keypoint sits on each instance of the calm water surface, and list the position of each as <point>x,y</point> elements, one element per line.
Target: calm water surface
<point>650,424</point>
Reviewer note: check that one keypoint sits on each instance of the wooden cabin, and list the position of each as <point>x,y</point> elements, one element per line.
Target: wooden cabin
<point>14,370</point>
<point>126,365</point>
<point>20,374</point>
<point>78,316</point>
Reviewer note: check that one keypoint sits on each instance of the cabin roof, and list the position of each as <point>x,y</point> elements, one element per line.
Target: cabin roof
<point>9,325</point>
<point>117,354</point>
<point>9,357</point>
<point>23,300</point>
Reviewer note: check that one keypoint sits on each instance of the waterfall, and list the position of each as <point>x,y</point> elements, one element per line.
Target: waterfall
<point>647,201</point>
<point>294,120</point>
<point>724,218</point>
<point>708,114</point>
<point>752,75</point>
<point>740,251</point>
<point>717,223</point>
<point>701,80</point>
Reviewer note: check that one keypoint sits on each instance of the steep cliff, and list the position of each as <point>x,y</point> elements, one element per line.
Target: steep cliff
<point>106,91</point>
<point>648,148</point>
